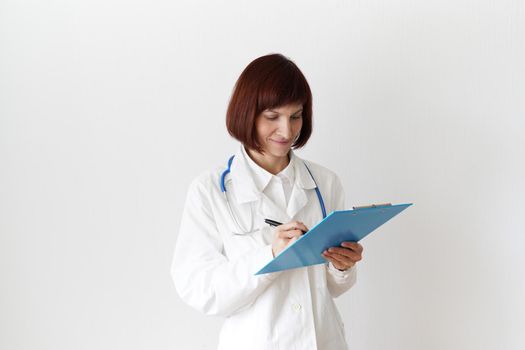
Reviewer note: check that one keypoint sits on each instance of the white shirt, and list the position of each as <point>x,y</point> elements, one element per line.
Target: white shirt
<point>277,187</point>
<point>215,262</point>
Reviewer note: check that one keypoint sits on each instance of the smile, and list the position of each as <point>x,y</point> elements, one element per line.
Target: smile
<point>283,143</point>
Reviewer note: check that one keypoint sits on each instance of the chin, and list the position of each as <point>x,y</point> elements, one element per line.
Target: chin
<point>279,152</point>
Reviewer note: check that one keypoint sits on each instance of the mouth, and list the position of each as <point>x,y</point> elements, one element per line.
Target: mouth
<point>282,143</point>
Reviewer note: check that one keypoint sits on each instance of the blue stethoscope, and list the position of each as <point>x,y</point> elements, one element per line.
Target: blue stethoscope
<point>223,190</point>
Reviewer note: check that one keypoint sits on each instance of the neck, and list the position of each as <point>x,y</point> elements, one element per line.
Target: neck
<point>271,164</point>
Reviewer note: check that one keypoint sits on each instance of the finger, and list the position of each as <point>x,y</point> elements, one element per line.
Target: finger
<point>290,234</point>
<point>345,258</point>
<point>302,227</point>
<point>293,239</point>
<point>289,225</point>
<point>293,225</point>
<point>337,264</point>
<point>355,256</point>
<point>352,245</point>
<point>342,260</point>
<point>330,259</point>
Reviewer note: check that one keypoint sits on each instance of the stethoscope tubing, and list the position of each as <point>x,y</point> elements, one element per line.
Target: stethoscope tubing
<point>223,190</point>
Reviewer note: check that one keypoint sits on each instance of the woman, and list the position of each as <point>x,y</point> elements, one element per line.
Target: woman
<point>223,239</point>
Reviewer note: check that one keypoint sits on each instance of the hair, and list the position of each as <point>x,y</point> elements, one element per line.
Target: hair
<point>269,81</point>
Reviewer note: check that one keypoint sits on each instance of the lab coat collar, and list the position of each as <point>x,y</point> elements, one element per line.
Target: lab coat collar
<point>261,177</point>
<point>303,181</point>
<point>302,176</point>
<point>243,181</point>
<point>247,190</point>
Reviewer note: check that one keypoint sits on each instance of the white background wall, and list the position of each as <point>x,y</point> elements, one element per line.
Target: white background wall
<point>109,108</point>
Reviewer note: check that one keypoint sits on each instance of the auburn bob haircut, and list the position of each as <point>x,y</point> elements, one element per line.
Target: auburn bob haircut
<point>269,81</point>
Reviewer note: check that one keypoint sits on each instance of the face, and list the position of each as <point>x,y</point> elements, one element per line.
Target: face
<point>277,129</point>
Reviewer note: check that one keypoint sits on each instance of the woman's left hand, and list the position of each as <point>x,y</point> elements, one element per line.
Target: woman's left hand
<point>345,256</point>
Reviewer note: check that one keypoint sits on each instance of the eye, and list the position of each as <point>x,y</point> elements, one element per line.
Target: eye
<point>295,117</point>
<point>271,116</point>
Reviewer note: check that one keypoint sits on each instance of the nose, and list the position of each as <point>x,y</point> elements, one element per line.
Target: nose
<point>285,129</point>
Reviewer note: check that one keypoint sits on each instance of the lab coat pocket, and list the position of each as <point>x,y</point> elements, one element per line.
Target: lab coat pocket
<point>331,330</point>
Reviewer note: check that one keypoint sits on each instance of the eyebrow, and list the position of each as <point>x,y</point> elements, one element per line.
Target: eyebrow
<point>300,110</point>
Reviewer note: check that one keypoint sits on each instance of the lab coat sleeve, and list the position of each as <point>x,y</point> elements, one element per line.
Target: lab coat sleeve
<point>203,276</point>
<point>338,281</point>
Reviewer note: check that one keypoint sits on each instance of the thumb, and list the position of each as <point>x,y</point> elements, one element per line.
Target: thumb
<point>292,240</point>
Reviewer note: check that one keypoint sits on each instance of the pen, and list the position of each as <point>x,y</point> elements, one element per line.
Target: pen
<point>272,222</point>
<point>275,223</point>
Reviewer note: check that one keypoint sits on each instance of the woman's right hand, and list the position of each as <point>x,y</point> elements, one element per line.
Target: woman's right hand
<point>286,234</point>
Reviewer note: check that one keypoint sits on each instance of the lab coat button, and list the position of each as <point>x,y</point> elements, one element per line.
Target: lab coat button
<point>296,307</point>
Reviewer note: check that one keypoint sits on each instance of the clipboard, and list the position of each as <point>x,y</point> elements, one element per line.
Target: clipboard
<point>340,226</point>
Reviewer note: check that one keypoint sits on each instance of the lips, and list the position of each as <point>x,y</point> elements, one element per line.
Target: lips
<point>283,143</point>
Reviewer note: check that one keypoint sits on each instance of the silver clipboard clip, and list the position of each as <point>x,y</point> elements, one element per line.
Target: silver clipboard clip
<point>373,206</point>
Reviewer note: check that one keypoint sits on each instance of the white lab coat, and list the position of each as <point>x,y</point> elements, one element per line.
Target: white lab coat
<point>214,264</point>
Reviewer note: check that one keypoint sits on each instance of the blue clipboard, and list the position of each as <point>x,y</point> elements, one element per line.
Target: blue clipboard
<point>339,226</point>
